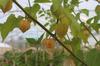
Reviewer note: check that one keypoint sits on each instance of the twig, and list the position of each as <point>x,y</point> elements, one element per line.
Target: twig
<point>49,33</point>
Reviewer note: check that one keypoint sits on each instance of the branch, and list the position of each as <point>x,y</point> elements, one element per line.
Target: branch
<point>52,35</point>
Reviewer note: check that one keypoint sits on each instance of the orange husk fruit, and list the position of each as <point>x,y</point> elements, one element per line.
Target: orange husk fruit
<point>24,25</point>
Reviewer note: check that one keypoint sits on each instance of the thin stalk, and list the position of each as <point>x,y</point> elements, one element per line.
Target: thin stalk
<point>87,28</point>
<point>68,37</point>
<point>26,60</point>
<point>36,57</point>
<point>52,35</point>
<point>29,3</point>
<point>13,53</point>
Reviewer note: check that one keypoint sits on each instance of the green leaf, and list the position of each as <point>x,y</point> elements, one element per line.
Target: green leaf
<point>80,54</point>
<point>96,18</point>
<point>89,20</point>
<point>41,37</point>
<point>3,3</point>
<point>33,10</point>
<point>84,35</point>
<point>67,12</point>
<point>40,11</point>
<point>65,1</point>
<point>93,58</point>
<point>57,3</point>
<point>85,11</point>
<point>46,24</point>
<point>75,27</point>
<point>98,43</point>
<point>51,29</point>
<point>96,27</point>
<point>58,58</point>
<point>56,9</point>
<point>31,40</point>
<point>97,10</point>
<point>0,27</point>
<point>76,44</point>
<point>61,30</point>
<point>9,25</point>
<point>42,15</point>
<point>75,2</point>
<point>77,16</point>
<point>42,1</point>
<point>94,23</point>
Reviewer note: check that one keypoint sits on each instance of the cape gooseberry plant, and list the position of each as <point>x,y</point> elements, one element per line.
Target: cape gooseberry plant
<point>54,47</point>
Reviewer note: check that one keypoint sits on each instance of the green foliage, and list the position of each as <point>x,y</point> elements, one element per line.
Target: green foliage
<point>42,1</point>
<point>93,57</point>
<point>61,29</point>
<point>90,20</point>
<point>96,27</point>
<point>94,23</point>
<point>11,23</point>
<point>98,43</point>
<point>75,27</point>
<point>3,3</point>
<point>75,2</point>
<point>33,10</point>
<point>58,58</point>
<point>77,16</point>
<point>40,58</point>
<point>85,11</point>
<point>80,54</point>
<point>97,10</point>
<point>76,44</point>
<point>56,8</point>
<point>34,42</point>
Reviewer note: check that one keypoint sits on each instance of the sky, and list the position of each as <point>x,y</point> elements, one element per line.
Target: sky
<point>36,31</point>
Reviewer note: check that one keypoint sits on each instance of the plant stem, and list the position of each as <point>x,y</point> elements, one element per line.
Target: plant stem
<point>87,28</point>
<point>29,3</point>
<point>49,33</point>
<point>68,37</point>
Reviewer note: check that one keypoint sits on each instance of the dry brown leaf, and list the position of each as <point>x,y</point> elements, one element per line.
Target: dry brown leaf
<point>8,6</point>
